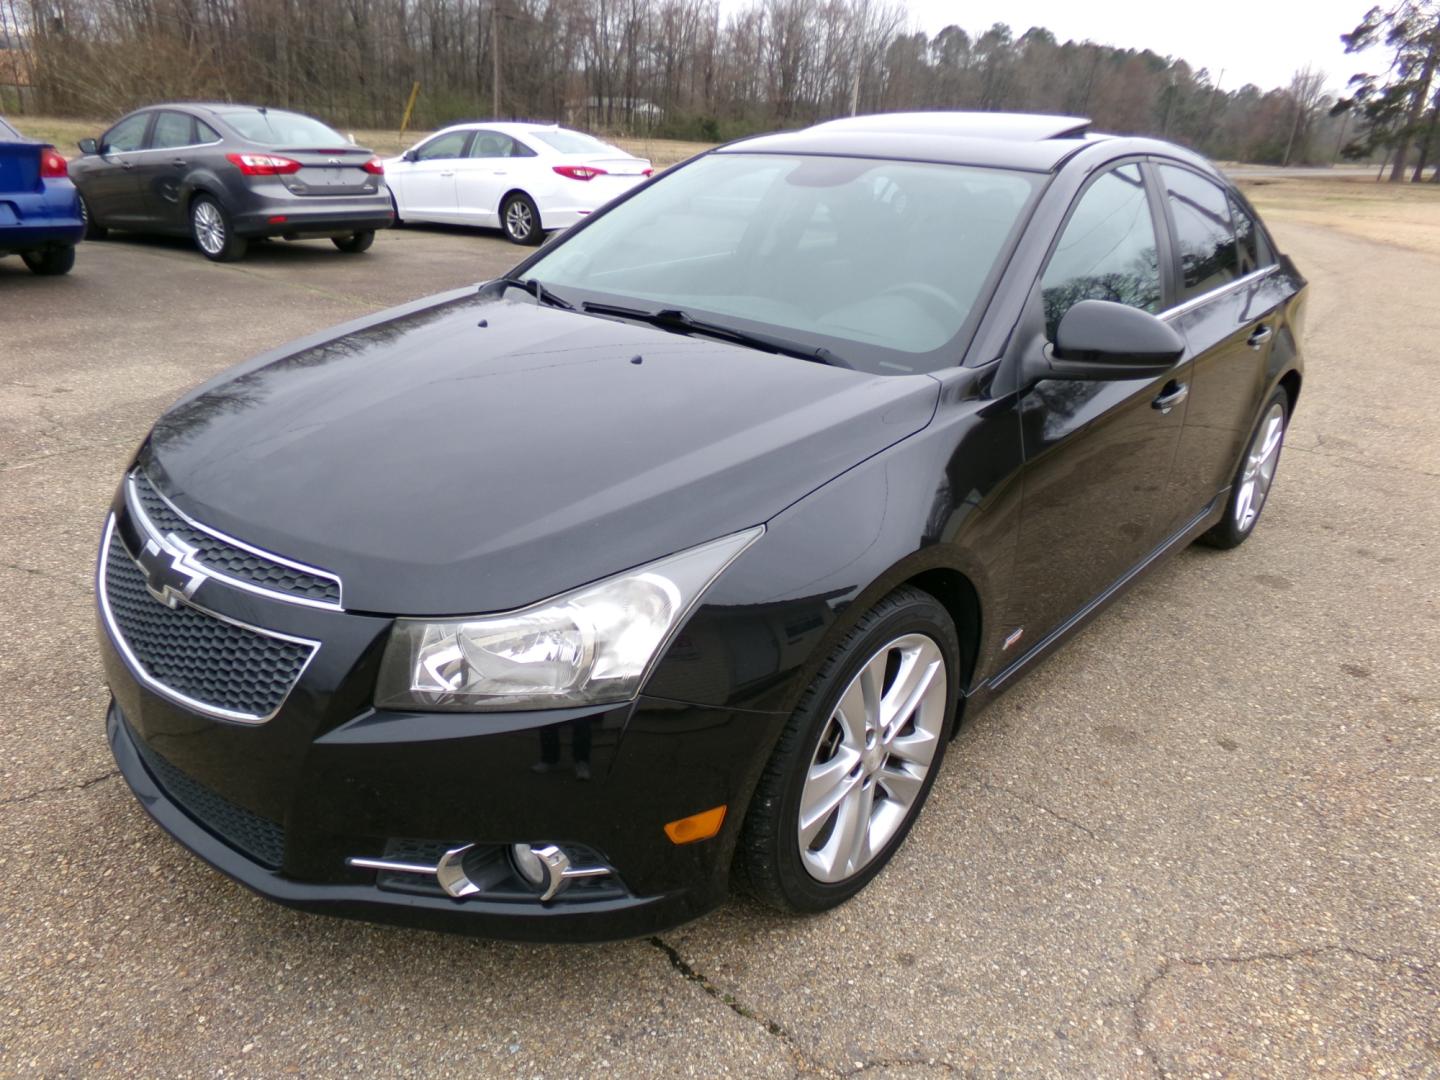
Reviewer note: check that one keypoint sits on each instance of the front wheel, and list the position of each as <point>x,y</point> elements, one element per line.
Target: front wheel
<point>51,262</point>
<point>1251,486</point>
<point>210,227</point>
<point>356,242</point>
<point>856,760</point>
<point>521,220</point>
<point>93,229</point>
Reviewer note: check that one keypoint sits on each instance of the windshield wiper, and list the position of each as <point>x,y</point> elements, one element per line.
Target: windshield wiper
<point>533,286</point>
<point>682,323</point>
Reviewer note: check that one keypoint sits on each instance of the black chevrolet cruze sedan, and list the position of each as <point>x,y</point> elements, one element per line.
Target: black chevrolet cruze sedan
<point>228,174</point>
<point>543,608</point>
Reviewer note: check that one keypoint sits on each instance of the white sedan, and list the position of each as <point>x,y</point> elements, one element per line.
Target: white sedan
<point>526,179</point>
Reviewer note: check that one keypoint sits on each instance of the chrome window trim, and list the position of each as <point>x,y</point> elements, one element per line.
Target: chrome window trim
<point>1215,294</point>
<point>137,669</point>
<point>137,510</point>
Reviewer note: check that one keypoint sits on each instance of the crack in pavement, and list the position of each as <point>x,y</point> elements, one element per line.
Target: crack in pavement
<point>91,782</point>
<point>739,1008</point>
<point>1168,964</point>
<point>1001,789</point>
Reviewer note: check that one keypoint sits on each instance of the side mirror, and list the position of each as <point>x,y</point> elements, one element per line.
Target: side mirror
<point>1099,340</point>
<point>88,146</point>
<point>410,155</point>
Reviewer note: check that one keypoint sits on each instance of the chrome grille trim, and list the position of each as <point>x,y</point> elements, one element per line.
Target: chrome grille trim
<point>137,511</point>
<point>137,669</point>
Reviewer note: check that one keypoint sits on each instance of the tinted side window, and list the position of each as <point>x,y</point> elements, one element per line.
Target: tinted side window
<point>491,144</point>
<point>1204,232</point>
<point>172,129</point>
<point>1107,251</point>
<point>1254,253</point>
<point>205,133</point>
<point>444,146</point>
<point>128,134</point>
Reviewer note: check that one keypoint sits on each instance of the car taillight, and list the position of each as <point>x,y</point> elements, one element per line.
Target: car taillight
<point>374,165</point>
<point>52,164</point>
<point>263,164</point>
<point>579,172</point>
<point>647,172</point>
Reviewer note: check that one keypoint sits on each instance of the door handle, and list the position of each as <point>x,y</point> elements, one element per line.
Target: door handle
<point>179,163</point>
<point>1173,394</point>
<point>500,172</point>
<point>450,173</point>
<point>1259,337</point>
<point>127,164</point>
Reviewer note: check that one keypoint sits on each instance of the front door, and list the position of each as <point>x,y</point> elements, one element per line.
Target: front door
<point>426,186</point>
<point>108,180</point>
<point>1097,454</point>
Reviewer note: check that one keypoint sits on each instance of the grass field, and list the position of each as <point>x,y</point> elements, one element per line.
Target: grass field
<point>65,133</point>
<point>1407,215</point>
<point>1350,201</point>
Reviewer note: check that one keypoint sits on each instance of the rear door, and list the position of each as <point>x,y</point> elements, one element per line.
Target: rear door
<point>495,164</point>
<point>108,180</point>
<point>1227,309</point>
<point>1097,454</point>
<point>426,186</point>
<point>161,169</point>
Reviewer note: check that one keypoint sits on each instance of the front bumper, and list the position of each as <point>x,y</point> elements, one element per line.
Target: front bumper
<point>280,806</point>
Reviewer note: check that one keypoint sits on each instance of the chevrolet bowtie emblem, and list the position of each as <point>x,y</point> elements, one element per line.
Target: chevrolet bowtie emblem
<point>171,574</point>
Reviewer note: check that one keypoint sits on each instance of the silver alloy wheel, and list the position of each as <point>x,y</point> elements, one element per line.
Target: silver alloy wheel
<point>872,758</point>
<point>1259,469</point>
<point>209,227</point>
<point>518,219</point>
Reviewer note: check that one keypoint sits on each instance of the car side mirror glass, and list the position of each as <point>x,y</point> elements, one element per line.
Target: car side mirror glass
<point>411,155</point>
<point>88,146</point>
<point>1098,339</point>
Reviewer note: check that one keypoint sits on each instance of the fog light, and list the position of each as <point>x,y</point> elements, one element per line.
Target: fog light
<point>528,864</point>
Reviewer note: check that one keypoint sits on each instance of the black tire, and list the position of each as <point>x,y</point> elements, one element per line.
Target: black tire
<point>356,242</point>
<point>211,229</point>
<point>93,230</point>
<point>1235,527</point>
<point>51,262</point>
<point>520,218</point>
<point>768,857</point>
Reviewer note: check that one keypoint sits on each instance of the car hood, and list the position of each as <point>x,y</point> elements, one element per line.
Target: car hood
<point>470,455</point>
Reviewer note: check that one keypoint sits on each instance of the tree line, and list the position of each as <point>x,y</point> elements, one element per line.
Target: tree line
<point>676,68</point>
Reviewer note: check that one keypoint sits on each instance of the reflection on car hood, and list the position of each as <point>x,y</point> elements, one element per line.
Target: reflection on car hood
<point>470,455</point>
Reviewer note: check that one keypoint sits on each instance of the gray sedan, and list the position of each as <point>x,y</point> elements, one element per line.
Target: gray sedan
<point>227,174</point>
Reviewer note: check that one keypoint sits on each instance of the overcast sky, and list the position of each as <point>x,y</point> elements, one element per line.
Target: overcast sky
<point>1258,41</point>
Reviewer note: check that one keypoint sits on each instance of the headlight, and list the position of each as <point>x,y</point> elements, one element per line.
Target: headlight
<point>587,647</point>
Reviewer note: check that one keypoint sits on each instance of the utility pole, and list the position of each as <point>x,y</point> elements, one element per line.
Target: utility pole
<point>495,54</point>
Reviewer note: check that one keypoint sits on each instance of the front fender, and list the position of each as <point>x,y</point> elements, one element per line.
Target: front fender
<point>946,499</point>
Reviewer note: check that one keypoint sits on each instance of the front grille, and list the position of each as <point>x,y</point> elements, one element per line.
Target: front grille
<point>190,653</point>
<point>259,838</point>
<point>229,559</point>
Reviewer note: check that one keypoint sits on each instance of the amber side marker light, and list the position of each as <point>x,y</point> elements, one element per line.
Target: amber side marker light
<point>701,826</point>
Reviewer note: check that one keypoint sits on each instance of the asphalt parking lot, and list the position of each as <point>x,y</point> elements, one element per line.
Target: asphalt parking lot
<point>1203,840</point>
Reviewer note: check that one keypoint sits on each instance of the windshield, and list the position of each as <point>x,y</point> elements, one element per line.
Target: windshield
<point>881,262</point>
<point>274,127</point>
<point>571,142</point>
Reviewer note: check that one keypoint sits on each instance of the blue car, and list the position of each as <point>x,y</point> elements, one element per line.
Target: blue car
<point>39,209</point>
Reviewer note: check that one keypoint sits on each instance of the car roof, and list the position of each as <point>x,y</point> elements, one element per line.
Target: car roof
<point>1021,141</point>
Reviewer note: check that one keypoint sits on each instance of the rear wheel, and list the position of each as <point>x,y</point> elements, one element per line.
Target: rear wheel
<point>210,227</point>
<point>856,760</point>
<point>1251,487</point>
<point>93,230</point>
<point>521,220</point>
<point>356,242</point>
<point>50,262</point>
